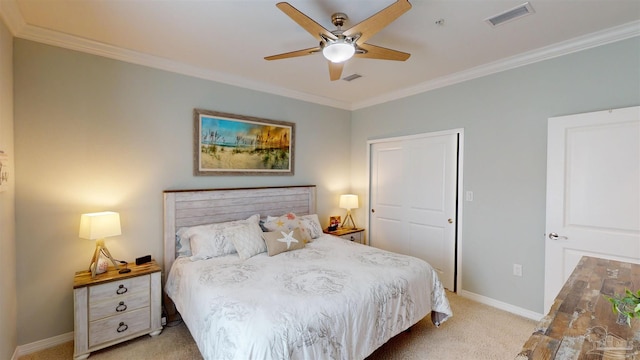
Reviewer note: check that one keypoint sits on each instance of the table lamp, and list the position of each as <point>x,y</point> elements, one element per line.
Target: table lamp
<point>97,226</point>
<point>348,201</point>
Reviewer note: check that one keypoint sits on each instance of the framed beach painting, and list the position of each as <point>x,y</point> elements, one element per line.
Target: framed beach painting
<point>228,144</point>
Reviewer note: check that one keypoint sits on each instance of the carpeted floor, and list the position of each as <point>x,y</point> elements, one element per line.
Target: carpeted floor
<point>475,331</point>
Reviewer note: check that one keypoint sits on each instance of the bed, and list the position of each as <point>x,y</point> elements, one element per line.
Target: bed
<point>328,299</point>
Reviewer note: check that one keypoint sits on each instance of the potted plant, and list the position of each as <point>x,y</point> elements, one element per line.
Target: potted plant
<point>628,305</point>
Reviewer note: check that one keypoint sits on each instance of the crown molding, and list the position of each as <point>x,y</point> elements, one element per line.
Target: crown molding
<point>10,13</point>
<point>49,37</point>
<point>611,35</point>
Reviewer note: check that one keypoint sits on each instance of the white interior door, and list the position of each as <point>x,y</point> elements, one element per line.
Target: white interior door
<point>593,192</point>
<point>413,185</point>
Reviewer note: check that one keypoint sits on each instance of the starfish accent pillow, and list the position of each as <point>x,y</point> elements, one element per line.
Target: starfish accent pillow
<point>288,221</point>
<point>281,241</point>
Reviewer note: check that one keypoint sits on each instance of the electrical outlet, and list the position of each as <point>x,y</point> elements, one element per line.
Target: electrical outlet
<point>469,196</point>
<point>517,270</point>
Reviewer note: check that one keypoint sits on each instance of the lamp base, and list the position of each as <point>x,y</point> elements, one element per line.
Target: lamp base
<point>346,220</point>
<point>100,248</point>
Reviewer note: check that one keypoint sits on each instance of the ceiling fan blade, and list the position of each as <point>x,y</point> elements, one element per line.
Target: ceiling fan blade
<point>291,54</point>
<point>378,52</point>
<point>378,21</point>
<point>306,22</point>
<point>335,70</point>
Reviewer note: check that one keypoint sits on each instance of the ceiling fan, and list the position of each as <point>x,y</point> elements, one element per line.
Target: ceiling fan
<point>339,45</point>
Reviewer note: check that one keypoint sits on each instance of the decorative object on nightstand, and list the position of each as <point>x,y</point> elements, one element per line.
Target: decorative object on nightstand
<point>348,201</point>
<point>115,307</point>
<point>354,235</point>
<point>334,222</point>
<point>97,226</point>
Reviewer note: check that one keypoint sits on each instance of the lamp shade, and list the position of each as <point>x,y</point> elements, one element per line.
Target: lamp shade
<point>349,201</point>
<point>99,225</point>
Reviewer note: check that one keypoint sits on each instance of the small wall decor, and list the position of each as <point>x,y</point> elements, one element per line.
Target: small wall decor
<point>4,171</point>
<point>228,144</point>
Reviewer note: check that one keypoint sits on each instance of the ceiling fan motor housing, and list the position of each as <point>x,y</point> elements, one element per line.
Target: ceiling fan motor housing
<point>338,19</point>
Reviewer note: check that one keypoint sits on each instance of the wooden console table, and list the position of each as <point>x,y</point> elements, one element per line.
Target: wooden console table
<point>581,324</point>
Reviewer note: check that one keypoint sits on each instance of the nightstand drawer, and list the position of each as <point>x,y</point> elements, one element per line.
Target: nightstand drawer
<point>119,288</point>
<point>116,327</point>
<point>119,305</point>
<point>357,237</point>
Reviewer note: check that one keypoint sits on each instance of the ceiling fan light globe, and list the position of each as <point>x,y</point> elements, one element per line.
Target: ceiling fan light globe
<point>338,52</point>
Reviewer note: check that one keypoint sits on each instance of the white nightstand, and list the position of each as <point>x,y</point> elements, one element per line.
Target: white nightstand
<point>348,234</point>
<point>115,307</point>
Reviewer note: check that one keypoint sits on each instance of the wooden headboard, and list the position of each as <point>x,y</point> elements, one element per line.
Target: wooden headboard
<point>197,207</point>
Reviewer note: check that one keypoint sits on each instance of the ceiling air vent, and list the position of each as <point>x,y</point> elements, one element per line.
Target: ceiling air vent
<point>512,14</point>
<point>351,77</point>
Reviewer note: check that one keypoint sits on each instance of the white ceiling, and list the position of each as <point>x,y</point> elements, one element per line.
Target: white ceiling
<point>227,40</point>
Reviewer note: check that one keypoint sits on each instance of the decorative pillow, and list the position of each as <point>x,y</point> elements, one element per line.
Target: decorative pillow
<point>247,240</point>
<point>288,221</point>
<point>309,225</point>
<point>281,241</point>
<point>185,234</point>
<point>312,225</point>
<point>212,242</point>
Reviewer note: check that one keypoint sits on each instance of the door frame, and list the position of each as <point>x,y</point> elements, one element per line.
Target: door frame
<point>459,190</point>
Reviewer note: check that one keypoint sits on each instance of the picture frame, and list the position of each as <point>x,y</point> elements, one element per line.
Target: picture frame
<point>334,223</point>
<point>230,144</point>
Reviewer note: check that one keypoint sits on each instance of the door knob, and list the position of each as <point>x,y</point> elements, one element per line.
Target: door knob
<point>373,210</point>
<point>450,221</point>
<point>554,236</point>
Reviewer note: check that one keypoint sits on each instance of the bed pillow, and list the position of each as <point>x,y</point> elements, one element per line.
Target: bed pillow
<point>210,242</point>
<point>281,241</point>
<point>311,223</point>
<point>183,246</point>
<point>247,239</point>
<point>184,235</point>
<point>288,221</point>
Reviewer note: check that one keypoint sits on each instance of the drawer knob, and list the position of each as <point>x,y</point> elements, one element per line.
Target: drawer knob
<point>121,290</point>
<point>122,327</point>
<point>121,307</point>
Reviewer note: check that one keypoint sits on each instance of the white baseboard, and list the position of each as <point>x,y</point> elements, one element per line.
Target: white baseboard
<point>42,344</point>
<point>501,305</point>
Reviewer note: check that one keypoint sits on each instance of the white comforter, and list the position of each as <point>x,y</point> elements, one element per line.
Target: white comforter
<point>334,299</point>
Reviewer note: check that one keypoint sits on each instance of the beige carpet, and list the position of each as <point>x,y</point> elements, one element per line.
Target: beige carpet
<point>475,331</point>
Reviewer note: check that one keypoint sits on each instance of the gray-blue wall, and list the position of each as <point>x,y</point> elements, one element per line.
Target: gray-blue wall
<point>504,117</point>
<point>95,134</point>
